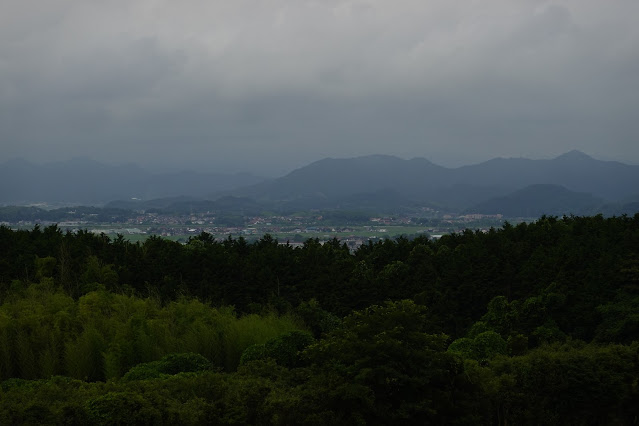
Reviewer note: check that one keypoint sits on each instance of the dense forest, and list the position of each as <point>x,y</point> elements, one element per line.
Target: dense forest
<point>536,323</point>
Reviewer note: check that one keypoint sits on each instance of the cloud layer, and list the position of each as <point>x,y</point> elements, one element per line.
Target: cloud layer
<point>273,84</point>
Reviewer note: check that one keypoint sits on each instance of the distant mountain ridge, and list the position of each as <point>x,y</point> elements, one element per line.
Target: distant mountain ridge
<point>574,170</point>
<point>88,181</point>
<point>335,178</point>
<point>375,182</point>
<point>331,181</point>
<point>538,200</point>
<point>185,205</point>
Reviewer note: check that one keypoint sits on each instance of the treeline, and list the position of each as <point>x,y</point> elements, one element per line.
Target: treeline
<point>590,263</point>
<point>527,324</point>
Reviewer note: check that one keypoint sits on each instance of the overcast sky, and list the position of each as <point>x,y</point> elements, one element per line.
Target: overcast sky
<point>274,84</point>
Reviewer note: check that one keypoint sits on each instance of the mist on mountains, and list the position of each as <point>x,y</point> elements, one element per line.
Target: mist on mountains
<point>570,183</point>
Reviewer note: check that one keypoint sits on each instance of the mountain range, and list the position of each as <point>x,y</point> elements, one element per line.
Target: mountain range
<point>570,183</point>
<point>85,181</point>
<point>387,182</point>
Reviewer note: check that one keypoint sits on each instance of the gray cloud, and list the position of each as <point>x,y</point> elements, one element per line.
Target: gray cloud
<point>272,85</point>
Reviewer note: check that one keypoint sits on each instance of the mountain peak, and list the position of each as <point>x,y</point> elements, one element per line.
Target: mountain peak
<point>574,155</point>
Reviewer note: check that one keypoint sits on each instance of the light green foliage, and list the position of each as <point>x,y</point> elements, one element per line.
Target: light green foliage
<point>45,267</point>
<point>463,347</point>
<point>103,334</point>
<point>483,346</point>
<point>84,356</point>
<point>284,349</point>
<point>32,326</point>
<point>549,332</point>
<point>254,353</point>
<point>253,329</point>
<point>488,344</point>
<point>96,274</point>
<point>169,365</point>
<point>478,328</point>
<point>394,271</point>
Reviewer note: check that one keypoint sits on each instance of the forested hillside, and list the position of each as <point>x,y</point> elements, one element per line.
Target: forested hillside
<point>526,324</point>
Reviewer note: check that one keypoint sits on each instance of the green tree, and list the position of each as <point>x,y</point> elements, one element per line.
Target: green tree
<point>388,350</point>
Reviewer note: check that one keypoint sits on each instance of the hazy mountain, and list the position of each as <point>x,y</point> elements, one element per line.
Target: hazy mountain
<point>186,205</point>
<point>370,182</point>
<point>88,181</point>
<point>333,178</point>
<point>331,182</point>
<point>156,203</point>
<point>226,205</point>
<point>76,213</point>
<point>537,200</point>
<point>375,180</point>
<point>627,206</point>
<point>575,170</point>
